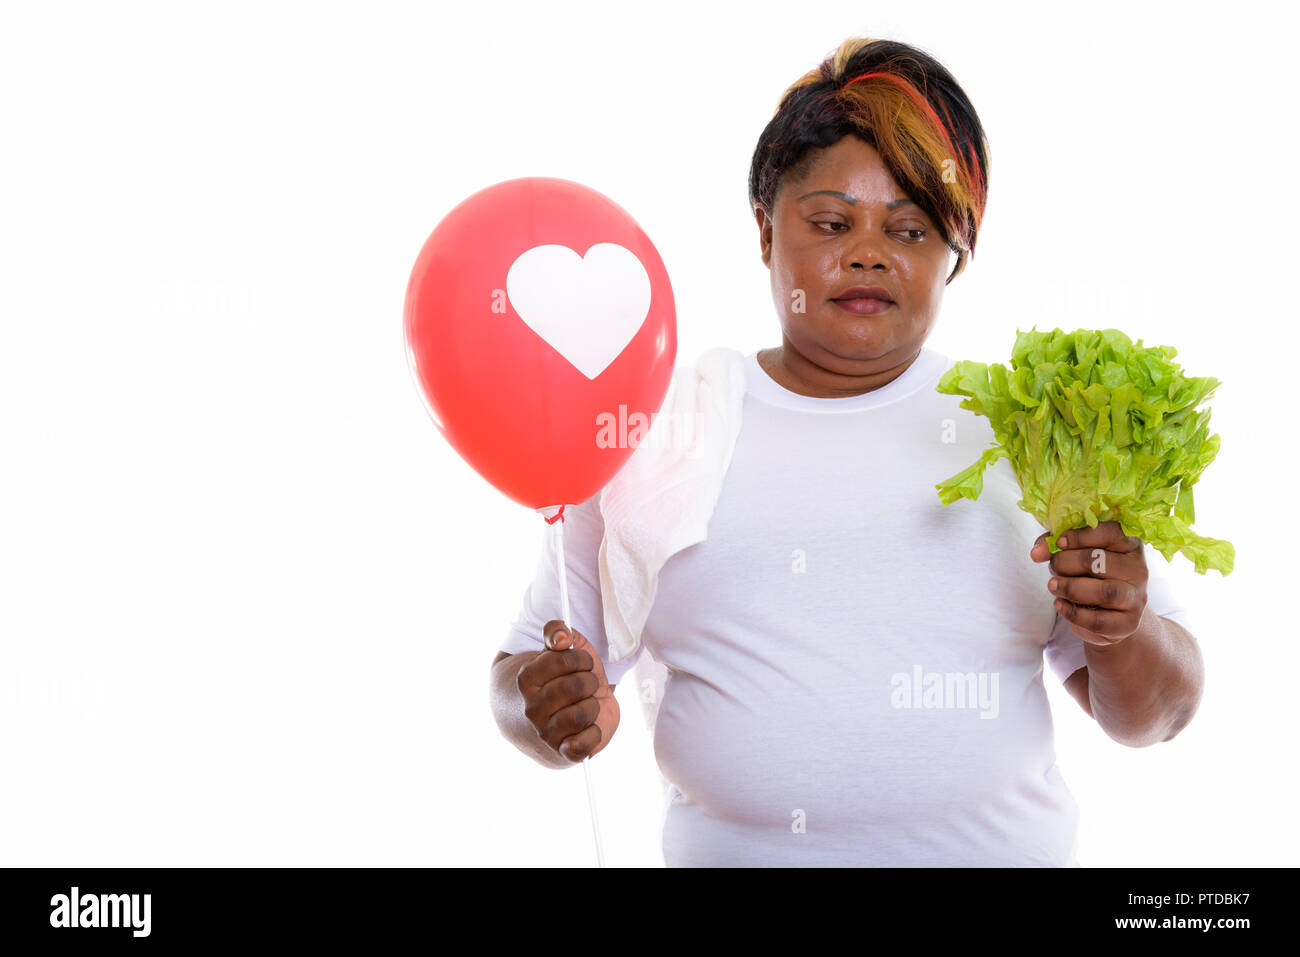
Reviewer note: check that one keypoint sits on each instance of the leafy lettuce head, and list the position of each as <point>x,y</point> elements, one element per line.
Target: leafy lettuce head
<point>1097,429</point>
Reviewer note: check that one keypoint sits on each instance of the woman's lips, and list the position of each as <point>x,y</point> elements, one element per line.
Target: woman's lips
<point>863,307</point>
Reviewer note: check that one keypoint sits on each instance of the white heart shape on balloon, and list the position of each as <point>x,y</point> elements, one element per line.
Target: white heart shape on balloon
<point>585,308</point>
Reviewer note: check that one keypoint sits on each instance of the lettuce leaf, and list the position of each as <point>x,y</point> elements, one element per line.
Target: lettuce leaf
<point>1096,429</point>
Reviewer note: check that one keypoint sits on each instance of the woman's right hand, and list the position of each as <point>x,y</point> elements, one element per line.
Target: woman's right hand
<point>566,697</point>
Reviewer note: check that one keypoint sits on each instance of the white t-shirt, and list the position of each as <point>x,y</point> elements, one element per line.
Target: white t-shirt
<point>855,669</point>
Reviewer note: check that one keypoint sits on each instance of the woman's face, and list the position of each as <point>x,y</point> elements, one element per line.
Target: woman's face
<point>847,223</point>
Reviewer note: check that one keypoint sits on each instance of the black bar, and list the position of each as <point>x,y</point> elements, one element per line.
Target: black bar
<point>372,907</point>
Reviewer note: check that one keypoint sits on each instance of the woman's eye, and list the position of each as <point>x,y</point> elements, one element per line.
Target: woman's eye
<point>914,234</point>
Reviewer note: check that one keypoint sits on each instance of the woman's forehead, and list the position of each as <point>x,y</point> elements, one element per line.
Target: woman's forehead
<point>856,174</point>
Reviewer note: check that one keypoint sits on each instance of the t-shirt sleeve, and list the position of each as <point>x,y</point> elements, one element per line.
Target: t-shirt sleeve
<point>1064,651</point>
<point>584,528</point>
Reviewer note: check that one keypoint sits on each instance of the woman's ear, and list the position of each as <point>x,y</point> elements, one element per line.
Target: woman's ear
<point>764,218</point>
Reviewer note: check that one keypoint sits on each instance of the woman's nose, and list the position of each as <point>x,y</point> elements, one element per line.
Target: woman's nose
<point>864,252</point>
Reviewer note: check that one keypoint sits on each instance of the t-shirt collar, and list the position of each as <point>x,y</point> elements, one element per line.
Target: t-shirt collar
<point>925,369</point>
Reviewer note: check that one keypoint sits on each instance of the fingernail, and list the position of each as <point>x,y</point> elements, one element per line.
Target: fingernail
<point>1061,541</point>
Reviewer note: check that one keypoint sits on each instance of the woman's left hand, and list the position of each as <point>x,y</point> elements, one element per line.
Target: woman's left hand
<point>1100,581</point>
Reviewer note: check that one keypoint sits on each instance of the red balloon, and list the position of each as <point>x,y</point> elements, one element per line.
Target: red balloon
<point>538,313</point>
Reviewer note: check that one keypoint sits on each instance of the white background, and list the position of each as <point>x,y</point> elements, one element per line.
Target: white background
<point>248,594</point>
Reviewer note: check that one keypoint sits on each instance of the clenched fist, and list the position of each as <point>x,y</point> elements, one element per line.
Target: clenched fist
<point>566,697</point>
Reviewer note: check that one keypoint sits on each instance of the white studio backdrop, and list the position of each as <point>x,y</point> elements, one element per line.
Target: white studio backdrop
<point>249,595</point>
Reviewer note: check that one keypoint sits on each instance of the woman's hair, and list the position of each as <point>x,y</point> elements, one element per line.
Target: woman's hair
<point>905,104</point>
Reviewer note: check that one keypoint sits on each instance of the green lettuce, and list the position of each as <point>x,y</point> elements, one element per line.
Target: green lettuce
<point>1096,429</point>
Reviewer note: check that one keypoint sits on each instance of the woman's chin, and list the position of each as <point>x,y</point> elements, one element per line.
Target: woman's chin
<point>865,343</point>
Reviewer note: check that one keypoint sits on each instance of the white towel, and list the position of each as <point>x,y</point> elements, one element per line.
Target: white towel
<point>662,498</point>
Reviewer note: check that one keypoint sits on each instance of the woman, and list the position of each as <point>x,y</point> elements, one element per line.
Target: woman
<point>856,670</point>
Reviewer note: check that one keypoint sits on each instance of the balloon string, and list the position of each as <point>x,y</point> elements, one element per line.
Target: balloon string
<point>564,614</point>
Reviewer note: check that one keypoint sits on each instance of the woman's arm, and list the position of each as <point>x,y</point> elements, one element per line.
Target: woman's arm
<point>1144,674</point>
<point>1144,689</point>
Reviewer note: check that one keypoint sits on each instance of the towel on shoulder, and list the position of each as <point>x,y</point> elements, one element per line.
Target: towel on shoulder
<point>662,498</point>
